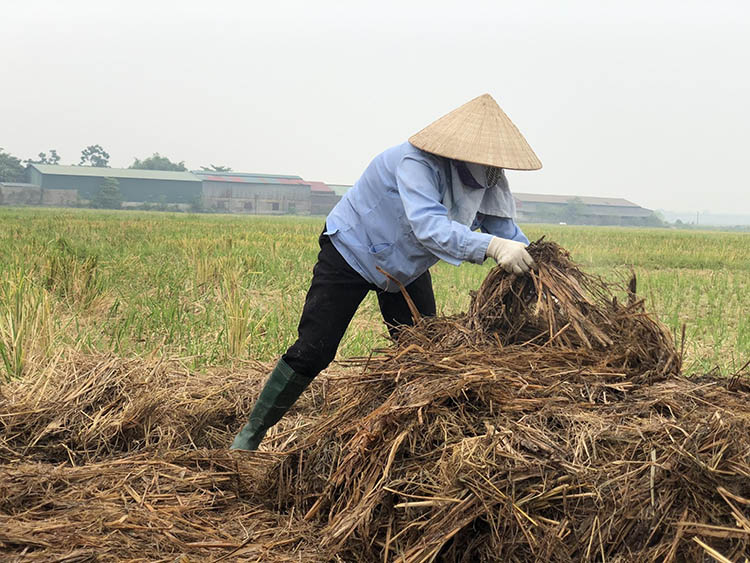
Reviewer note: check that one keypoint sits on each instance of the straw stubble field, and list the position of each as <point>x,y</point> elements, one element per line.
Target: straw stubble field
<point>543,419</point>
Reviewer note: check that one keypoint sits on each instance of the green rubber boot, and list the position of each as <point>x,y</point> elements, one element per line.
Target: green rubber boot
<point>283,388</point>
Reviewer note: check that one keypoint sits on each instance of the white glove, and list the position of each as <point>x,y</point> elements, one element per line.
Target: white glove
<point>510,254</point>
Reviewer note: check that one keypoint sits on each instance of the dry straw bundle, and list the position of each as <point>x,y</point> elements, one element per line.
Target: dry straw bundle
<point>548,423</point>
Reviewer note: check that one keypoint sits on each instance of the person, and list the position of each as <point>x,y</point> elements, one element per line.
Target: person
<point>442,195</point>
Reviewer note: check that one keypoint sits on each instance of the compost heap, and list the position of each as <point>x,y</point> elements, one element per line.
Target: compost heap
<point>548,423</point>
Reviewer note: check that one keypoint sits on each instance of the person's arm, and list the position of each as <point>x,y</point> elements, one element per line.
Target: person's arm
<point>448,240</point>
<point>503,227</point>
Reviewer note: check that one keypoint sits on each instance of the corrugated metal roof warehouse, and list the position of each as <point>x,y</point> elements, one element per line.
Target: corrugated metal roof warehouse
<point>237,192</point>
<point>135,185</point>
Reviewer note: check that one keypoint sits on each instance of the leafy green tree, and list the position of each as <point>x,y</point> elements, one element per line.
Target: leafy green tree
<point>214,168</point>
<point>575,210</point>
<point>656,219</point>
<point>11,169</point>
<point>108,196</point>
<point>53,158</point>
<point>158,162</point>
<point>94,155</point>
<point>196,204</point>
<point>161,203</point>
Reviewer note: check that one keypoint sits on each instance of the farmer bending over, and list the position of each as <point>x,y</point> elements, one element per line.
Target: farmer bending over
<point>441,196</point>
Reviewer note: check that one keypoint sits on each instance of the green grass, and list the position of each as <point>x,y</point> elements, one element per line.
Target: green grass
<point>218,289</point>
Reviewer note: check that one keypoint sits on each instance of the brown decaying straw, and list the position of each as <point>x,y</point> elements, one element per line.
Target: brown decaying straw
<point>548,423</point>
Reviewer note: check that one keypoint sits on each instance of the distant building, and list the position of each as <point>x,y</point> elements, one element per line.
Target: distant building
<point>135,185</point>
<point>267,194</point>
<point>322,198</point>
<point>584,210</point>
<point>275,194</point>
<point>540,208</point>
<point>18,193</point>
<point>229,192</point>
<point>340,189</point>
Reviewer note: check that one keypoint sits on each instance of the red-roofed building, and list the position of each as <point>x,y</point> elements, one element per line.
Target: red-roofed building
<point>267,194</point>
<point>261,194</point>
<point>322,198</point>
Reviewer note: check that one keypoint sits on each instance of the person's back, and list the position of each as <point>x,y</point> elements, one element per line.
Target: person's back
<point>369,226</point>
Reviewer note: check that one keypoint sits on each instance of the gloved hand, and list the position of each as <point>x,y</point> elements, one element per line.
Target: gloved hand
<point>510,254</point>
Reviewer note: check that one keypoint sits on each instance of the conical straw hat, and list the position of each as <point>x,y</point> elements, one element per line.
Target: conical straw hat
<point>479,132</point>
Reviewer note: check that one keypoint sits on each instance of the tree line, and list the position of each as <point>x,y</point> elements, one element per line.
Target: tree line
<point>13,169</point>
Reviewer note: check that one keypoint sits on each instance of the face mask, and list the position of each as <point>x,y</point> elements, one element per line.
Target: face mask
<point>477,188</point>
<point>478,176</point>
<point>493,175</point>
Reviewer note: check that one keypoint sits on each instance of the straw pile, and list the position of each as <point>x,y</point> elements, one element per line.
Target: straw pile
<point>548,423</point>
<point>103,459</point>
<point>93,408</point>
<point>140,507</point>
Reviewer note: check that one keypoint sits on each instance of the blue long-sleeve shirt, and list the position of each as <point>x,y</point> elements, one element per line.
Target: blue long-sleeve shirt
<point>393,217</point>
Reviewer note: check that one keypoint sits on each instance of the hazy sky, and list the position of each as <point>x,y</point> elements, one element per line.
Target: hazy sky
<point>647,100</point>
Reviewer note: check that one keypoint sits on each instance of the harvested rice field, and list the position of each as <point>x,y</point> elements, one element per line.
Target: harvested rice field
<point>595,410</point>
<point>219,290</point>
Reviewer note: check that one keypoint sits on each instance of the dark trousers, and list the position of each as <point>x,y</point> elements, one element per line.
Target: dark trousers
<point>334,296</point>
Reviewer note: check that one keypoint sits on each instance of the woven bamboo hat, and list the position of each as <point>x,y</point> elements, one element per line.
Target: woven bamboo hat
<point>479,132</point>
